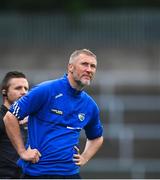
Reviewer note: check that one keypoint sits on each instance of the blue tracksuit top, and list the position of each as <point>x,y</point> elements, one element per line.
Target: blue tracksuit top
<point>56,114</point>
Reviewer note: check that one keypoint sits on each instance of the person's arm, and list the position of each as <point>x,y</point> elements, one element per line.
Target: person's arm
<point>14,134</point>
<point>91,147</point>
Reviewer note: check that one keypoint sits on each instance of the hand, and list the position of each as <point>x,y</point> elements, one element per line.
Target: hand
<point>24,121</point>
<point>78,158</point>
<point>32,155</point>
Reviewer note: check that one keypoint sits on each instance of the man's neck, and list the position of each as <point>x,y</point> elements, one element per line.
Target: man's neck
<point>7,104</point>
<point>74,84</point>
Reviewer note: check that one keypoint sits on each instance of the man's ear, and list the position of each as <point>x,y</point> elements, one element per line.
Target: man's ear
<point>70,68</point>
<point>4,92</point>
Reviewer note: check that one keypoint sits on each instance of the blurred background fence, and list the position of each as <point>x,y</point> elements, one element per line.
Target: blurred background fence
<point>127,85</point>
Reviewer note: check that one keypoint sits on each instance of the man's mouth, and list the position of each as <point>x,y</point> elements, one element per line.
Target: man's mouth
<point>86,77</point>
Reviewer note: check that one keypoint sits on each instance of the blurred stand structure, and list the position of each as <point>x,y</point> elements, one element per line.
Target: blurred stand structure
<point>127,85</point>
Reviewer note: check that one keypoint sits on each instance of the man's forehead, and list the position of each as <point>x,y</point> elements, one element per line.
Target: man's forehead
<point>86,57</point>
<point>17,81</point>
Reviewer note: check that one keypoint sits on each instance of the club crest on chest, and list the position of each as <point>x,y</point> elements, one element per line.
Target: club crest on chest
<point>81,116</point>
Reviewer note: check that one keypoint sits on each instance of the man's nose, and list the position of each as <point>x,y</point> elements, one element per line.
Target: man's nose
<point>89,69</point>
<point>24,91</point>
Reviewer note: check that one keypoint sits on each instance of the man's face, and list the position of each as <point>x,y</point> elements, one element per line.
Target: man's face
<point>17,87</point>
<point>83,69</point>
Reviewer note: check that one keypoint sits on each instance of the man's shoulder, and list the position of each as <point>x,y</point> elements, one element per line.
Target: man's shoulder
<point>48,86</point>
<point>50,82</point>
<point>88,97</point>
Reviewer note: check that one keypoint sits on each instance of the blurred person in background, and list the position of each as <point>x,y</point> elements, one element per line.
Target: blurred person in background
<point>13,86</point>
<point>57,110</point>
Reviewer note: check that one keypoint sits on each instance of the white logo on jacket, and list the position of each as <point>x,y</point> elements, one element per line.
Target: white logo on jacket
<point>59,95</point>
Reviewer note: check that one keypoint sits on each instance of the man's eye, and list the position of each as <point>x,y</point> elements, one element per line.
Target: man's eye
<point>85,64</point>
<point>93,66</point>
